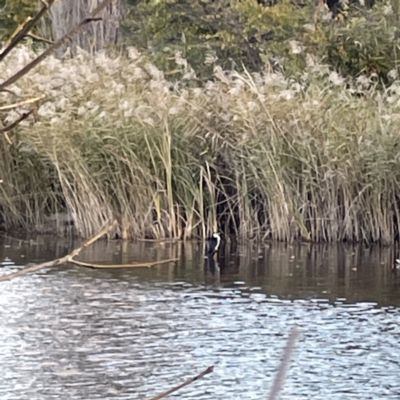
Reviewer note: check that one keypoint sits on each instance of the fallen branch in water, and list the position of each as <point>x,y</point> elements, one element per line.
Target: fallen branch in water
<point>162,240</point>
<point>70,258</point>
<point>62,260</point>
<point>284,365</point>
<point>133,265</point>
<point>188,382</point>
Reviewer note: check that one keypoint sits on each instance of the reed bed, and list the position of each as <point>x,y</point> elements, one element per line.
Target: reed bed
<point>254,155</point>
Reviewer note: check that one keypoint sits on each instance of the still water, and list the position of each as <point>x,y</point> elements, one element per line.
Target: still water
<point>76,333</point>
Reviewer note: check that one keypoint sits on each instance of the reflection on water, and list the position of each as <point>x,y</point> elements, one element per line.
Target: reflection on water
<point>85,334</point>
<point>301,271</point>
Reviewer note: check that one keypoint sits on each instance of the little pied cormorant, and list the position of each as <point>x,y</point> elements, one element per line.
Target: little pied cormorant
<point>213,244</point>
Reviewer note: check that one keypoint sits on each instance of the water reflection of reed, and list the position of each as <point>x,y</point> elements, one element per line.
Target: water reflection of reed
<point>331,270</point>
<point>289,270</point>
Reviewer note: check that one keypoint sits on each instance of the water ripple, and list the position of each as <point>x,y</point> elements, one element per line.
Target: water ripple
<point>68,335</point>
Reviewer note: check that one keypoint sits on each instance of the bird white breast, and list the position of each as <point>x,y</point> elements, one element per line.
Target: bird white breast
<point>218,238</point>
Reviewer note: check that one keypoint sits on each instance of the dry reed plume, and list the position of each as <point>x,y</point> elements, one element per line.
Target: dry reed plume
<point>255,154</point>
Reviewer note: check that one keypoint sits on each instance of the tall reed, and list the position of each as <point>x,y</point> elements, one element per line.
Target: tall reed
<point>256,155</point>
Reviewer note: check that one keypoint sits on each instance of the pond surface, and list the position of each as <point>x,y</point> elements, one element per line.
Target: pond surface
<point>76,333</point>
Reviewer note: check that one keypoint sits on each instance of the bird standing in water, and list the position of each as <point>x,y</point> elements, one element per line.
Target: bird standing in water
<point>213,244</point>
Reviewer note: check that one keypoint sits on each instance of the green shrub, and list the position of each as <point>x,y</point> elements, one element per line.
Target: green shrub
<point>365,43</point>
<point>244,33</point>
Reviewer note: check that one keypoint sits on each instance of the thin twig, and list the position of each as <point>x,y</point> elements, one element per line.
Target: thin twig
<point>96,237</point>
<point>62,260</point>
<point>284,365</point>
<point>15,123</point>
<point>17,30</point>
<point>8,140</point>
<point>133,265</point>
<point>29,24</point>
<point>55,46</point>
<point>22,103</point>
<point>162,240</point>
<point>188,382</point>
<point>39,39</point>
<point>8,91</point>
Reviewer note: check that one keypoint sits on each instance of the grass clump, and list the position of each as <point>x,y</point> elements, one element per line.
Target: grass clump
<point>257,155</point>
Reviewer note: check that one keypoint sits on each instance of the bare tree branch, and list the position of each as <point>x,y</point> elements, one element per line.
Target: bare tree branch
<point>56,45</point>
<point>39,39</point>
<point>15,123</point>
<point>25,29</point>
<point>8,91</point>
<point>133,265</point>
<point>17,30</point>
<point>22,103</point>
<point>62,260</point>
